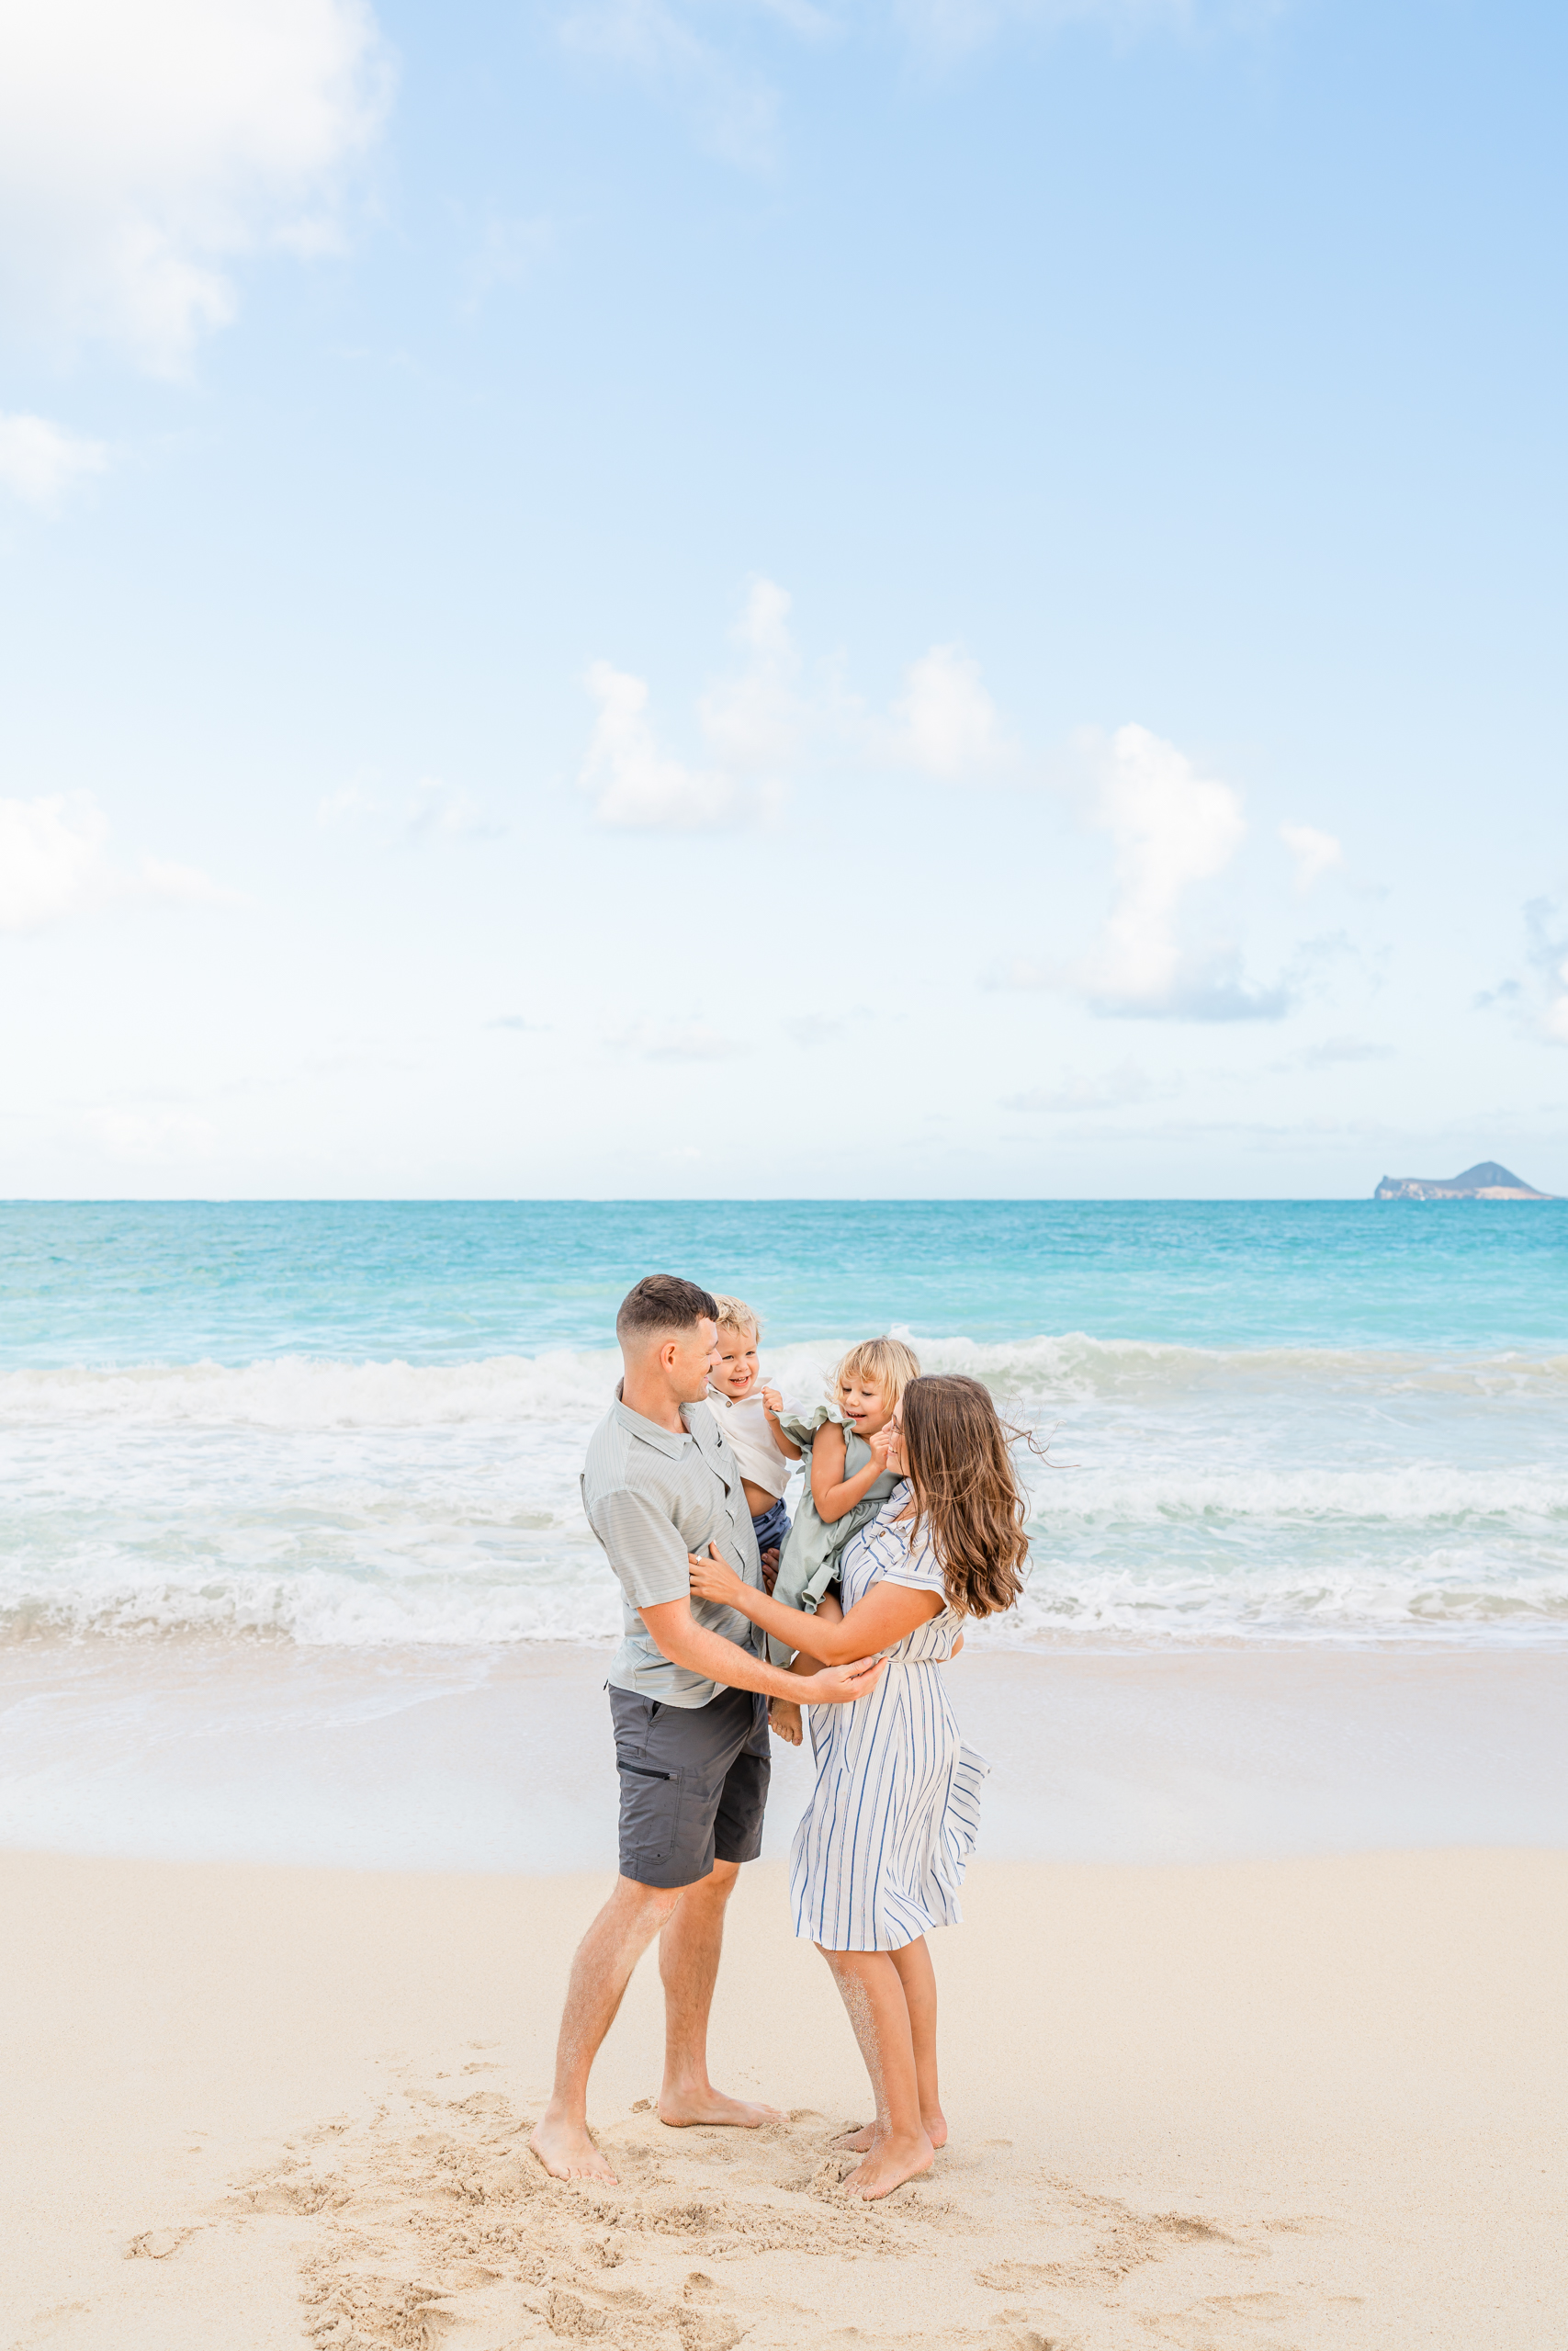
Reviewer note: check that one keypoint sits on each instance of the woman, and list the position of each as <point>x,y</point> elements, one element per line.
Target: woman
<point>880,1854</point>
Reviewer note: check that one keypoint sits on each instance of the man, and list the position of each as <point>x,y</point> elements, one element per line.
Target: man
<point>688,1696</point>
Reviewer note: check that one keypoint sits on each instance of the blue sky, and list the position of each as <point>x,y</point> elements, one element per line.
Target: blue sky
<point>687,600</point>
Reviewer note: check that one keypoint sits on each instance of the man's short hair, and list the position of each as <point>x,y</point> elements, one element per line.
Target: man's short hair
<point>663,1303</point>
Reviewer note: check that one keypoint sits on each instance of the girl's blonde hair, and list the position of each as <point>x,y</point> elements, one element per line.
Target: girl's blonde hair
<point>884,1363</point>
<point>734,1314</point>
<point>968,1503</point>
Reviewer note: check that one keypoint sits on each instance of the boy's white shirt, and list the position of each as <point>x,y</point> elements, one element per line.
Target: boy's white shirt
<point>744,1421</point>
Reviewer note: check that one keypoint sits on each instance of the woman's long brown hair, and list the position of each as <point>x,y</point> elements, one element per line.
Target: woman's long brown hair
<point>968,1504</point>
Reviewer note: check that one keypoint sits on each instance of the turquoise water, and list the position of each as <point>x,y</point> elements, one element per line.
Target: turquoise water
<point>360,1424</point>
<point>446,1281</point>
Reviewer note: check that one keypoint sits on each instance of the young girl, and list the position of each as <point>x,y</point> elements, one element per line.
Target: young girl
<point>749,1415</point>
<point>880,1854</point>
<point>850,1481</point>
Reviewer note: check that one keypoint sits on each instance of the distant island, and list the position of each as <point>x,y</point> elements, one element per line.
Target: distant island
<point>1486,1181</point>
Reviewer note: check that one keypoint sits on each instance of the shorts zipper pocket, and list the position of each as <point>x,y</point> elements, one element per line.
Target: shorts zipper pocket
<point>640,1771</point>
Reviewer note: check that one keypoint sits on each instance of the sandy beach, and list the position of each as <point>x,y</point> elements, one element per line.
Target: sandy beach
<point>1285,2103</point>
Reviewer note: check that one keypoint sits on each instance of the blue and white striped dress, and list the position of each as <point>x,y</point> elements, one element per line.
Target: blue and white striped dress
<point>880,1854</point>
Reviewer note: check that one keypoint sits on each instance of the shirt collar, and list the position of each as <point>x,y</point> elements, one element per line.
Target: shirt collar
<point>664,1441</point>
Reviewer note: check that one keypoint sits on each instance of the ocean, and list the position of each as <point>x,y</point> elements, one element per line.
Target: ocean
<point>358,1426</point>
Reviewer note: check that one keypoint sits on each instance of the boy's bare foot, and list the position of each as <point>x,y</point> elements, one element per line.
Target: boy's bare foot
<point>784,1720</point>
<point>680,2110</point>
<point>860,2141</point>
<point>567,2152</point>
<point>889,2163</point>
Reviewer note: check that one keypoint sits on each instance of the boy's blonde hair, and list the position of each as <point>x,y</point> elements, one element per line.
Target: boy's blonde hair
<point>734,1314</point>
<point>884,1362</point>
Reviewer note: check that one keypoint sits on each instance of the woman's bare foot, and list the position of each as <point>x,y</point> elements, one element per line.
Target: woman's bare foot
<point>784,1720</point>
<point>681,2110</point>
<point>860,2141</point>
<point>888,2165</point>
<point>568,2152</point>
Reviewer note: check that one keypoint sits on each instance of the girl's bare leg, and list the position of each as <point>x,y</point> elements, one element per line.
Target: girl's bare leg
<point>871,1990</point>
<point>918,1979</point>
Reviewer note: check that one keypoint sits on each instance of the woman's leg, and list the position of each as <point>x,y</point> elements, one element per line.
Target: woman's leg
<point>917,1977</point>
<point>871,1990</point>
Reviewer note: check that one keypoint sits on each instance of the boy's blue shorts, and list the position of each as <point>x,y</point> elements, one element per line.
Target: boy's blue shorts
<point>772,1529</point>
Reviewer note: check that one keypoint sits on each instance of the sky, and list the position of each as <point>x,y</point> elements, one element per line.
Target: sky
<point>708,598</point>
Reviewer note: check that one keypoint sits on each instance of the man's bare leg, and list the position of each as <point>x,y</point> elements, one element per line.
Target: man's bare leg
<point>600,1974</point>
<point>918,1979</point>
<point>689,1951</point>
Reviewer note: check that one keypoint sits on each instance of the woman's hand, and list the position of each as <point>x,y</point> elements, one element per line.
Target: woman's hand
<point>713,1579</point>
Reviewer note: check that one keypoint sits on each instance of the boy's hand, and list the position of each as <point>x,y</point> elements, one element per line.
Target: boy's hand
<point>773,1402</point>
<point>841,1685</point>
<point>713,1579</point>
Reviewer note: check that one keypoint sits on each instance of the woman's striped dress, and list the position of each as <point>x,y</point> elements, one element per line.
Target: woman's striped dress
<point>880,1854</point>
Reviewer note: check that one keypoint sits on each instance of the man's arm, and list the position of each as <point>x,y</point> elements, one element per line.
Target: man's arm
<point>678,1636</point>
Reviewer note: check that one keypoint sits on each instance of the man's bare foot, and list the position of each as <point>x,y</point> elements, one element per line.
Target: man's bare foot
<point>568,2152</point>
<point>784,1720</point>
<point>681,2110</point>
<point>889,2163</point>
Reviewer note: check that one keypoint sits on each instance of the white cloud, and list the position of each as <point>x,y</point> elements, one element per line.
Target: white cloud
<point>1112,1090</point>
<point>813,1029</point>
<point>946,723</point>
<point>691,54</point>
<point>734,107</point>
<point>1334,1053</point>
<point>54,864</point>
<point>145,147</point>
<point>631,780</point>
<point>39,460</point>
<point>1316,854</point>
<point>1172,828</point>
<point>948,29</point>
<point>1544,1002</point>
<point>693,1042</point>
<point>751,724</point>
<point>448,810</point>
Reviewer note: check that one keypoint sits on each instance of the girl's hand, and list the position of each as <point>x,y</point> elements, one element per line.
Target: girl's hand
<point>713,1579</point>
<point>885,1449</point>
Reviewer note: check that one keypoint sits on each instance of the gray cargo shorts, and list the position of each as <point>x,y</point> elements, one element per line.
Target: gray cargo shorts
<point>693,1783</point>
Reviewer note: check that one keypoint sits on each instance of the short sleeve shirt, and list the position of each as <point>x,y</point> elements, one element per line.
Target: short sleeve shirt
<point>652,1496</point>
<point>883,1552</point>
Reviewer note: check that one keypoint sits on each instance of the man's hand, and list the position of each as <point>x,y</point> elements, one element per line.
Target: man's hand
<point>713,1579</point>
<point>838,1685</point>
<point>770,1571</point>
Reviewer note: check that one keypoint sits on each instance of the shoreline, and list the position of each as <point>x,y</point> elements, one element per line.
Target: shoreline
<point>501,1759</point>
<point>1305,2102</point>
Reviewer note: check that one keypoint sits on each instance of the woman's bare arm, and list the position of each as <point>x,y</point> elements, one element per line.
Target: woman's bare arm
<point>887,1612</point>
